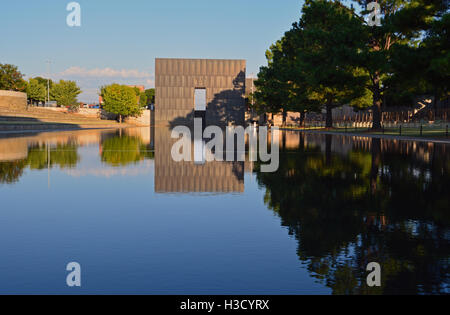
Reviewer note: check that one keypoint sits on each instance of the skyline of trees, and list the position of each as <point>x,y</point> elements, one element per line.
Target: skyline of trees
<point>332,57</point>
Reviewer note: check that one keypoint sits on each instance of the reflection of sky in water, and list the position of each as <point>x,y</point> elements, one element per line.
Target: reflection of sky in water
<point>90,165</point>
<point>309,228</point>
<point>128,239</point>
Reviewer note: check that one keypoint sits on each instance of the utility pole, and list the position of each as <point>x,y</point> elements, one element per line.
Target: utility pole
<point>48,80</point>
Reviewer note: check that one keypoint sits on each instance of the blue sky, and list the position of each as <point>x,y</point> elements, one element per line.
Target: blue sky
<point>119,40</point>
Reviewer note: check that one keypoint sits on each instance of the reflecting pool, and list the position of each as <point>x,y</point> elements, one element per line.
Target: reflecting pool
<point>138,222</point>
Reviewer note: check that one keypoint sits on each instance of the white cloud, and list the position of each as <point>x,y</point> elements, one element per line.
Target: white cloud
<point>90,80</point>
<point>105,73</point>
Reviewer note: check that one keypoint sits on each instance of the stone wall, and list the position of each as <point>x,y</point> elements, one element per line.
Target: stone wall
<point>90,112</point>
<point>143,120</point>
<point>13,100</point>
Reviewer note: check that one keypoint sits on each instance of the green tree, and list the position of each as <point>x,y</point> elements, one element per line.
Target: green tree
<point>142,99</point>
<point>11,79</point>
<point>36,91</point>
<point>299,97</point>
<point>272,90</point>
<point>328,58</point>
<point>436,54</point>
<point>120,100</point>
<point>150,96</point>
<point>333,57</point>
<point>402,24</point>
<point>315,64</point>
<point>65,93</point>
<point>45,81</point>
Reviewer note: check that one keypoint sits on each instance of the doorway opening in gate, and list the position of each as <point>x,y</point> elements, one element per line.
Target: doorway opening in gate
<point>200,105</point>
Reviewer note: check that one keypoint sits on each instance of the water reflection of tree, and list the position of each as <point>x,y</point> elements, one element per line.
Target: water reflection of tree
<point>40,157</point>
<point>121,150</point>
<point>10,172</point>
<point>346,211</point>
<point>117,150</point>
<point>62,155</point>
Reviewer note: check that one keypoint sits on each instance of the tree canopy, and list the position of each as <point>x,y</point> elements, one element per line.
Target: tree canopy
<point>333,57</point>
<point>150,96</point>
<point>36,91</point>
<point>11,78</point>
<point>315,63</point>
<point>65,93</point>
<point>120,100</point>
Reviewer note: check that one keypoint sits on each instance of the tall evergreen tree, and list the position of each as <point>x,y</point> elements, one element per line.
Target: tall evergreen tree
<point>316,63</point>
<point>402,23</point>
<point>333,38</point>
<point>272,90</point>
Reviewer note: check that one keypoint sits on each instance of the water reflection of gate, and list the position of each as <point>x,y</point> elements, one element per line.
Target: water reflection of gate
<point>185,177</point>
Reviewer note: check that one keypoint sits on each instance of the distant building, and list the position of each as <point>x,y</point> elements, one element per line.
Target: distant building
<point>140,87</point>
<point>249,86</point>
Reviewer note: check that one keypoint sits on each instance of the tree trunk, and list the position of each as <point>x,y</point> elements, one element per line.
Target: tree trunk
<point>301,142</point>
<point>434,106</point>
<point>329,108</point>
<point>120,119</point>
<point>328,142</point>
<point>376,107</point>
<point>284,118</point>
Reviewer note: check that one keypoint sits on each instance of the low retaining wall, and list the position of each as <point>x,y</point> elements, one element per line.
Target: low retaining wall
<point>143,120</point>
<point>13,100</point>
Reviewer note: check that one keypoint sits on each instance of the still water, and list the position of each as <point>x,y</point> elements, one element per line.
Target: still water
<point>137,222</point>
